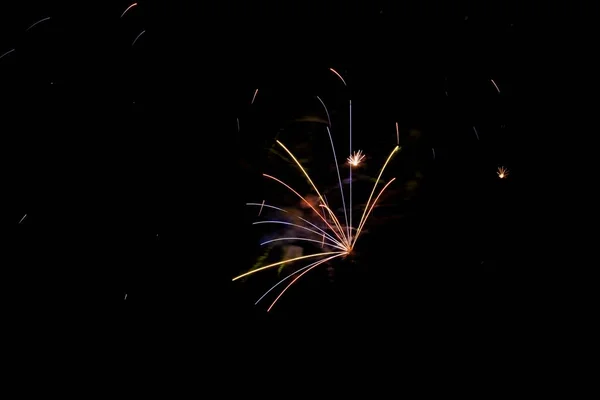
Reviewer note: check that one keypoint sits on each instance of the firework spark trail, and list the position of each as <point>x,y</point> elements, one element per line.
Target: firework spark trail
<point>339,76</point>
<point>128,8</point>
<point>334,241</point>
<point>298,277</point>
<point>373,206</point>
<point>300,218</point>
<point>397,135</point>
<point>342,239</point>
<point>261,208</point>
<point>22,219</point>
<point>287,261</point>
<point>7,53</point>
<point>238,124</point>
<point>476,134</point>
<point>254,97</point>
<point>310,205</point>
<point>40,21</point>
<point>363,218</point>
<point>322,242</point>
<point>324,106</point>
<point>350,169</point>
<point>337,167</point>
<point>137,37</point>
<point>497,88</point>
<point>433,150</point>
<point>292,274</point>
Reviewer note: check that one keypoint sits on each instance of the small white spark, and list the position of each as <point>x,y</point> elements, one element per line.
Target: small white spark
<point>254,97</point>
<point>137,37</point>
<point>261,207</point>
<point>24,216</point>
<point>496,86</point>
<point>433,150</point>
<point>125,296</point>
<point>476,134</point>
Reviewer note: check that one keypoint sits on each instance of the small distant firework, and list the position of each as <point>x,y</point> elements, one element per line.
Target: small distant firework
<point>355,159</point>
<point>502,172</point>
<point>336,236</point>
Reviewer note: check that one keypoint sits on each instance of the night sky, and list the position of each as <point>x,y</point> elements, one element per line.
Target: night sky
<point>125,177</point>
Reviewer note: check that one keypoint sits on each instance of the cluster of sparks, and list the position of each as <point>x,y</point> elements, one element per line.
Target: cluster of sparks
<point>502,172</point>
<point>337,233</point>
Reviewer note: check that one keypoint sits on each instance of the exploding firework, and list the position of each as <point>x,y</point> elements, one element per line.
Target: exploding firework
<point>502,172</point>
<point>334,235</point>
<point>355,159</point>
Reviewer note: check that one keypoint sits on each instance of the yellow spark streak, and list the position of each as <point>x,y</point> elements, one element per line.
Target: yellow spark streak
<point>300,276</point>
<point>397,148</point>
<point>371,209</point>
<point>286,261</point>
<point>311,182</point>
<point>310,205</point>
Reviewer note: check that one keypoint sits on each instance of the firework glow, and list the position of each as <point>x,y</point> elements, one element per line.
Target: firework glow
<point>337,236</point>
<point>502,172</point>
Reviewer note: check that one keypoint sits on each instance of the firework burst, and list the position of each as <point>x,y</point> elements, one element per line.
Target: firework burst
<point>336,236</point>
<point>502,172</point>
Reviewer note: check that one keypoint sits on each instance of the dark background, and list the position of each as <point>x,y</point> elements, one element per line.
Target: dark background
<point>129,166</point>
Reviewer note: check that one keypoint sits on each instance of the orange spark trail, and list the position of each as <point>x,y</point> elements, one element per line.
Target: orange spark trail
<point>128,8</point>
<point>339,76</point>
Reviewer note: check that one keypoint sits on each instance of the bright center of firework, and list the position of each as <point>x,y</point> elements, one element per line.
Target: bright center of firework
<point>502,172</point>
<point>356,158</point>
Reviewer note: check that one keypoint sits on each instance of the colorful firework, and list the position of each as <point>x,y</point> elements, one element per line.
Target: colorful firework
<point>337,234</point>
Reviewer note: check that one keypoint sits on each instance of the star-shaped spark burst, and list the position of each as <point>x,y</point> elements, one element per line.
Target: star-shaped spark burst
<point>502,172</point>
<point>356,158</point>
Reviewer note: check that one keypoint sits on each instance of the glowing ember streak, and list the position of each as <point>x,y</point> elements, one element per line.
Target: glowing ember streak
<point>286,261</point>
<point>502,172</point>
<point>356,158</point>
<point>254,97</point>
<point>363,218</point>
<point>339,76</point>
<point>496,86</point>
<point>128,8</point>
<point>298,277</point>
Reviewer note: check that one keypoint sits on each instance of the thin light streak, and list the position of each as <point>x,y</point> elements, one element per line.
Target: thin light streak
<point>372,206</point>
<point>337,167</point>
<point>322,242</point>
<point>7,53</point>
<point>137,37</point>
<point>336,242</point>
<point>311,183</point>
<point>128,8</point>
<point>433,150</point>
<point>339,76</point>
<point>286,261</point>
<point>497,88</point>
<point>476,134</point>
<point>261,208</point>
<point>266,205</point>
<point>324,106</point>
<point>238,124</point>
<point>254,97</point>
<point>22,219</point>
<point>290,275</point>
<point>298,277</point>
<point>397,148</point>
<point>40,21</point>
<point>397,135</point>
<point>350,181</point>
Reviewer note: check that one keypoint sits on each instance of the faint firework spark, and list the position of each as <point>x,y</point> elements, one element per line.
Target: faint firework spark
<point>355,159</point>
<point>128,8</point>
<point>238,124</point>
<point>397,135</point>
<point>327,112</point>
<point>433,150</point>
<point>476,134</point>
<point>40,21</point>
<point>261,208</point>
<point>7,53</point>
<point>496,86</point>
<point>137,37</point>
<point>502,172</point>
<point>125,296</point>
<point>22,219</point>
<point>339,76</point>
<point>254,97</point>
